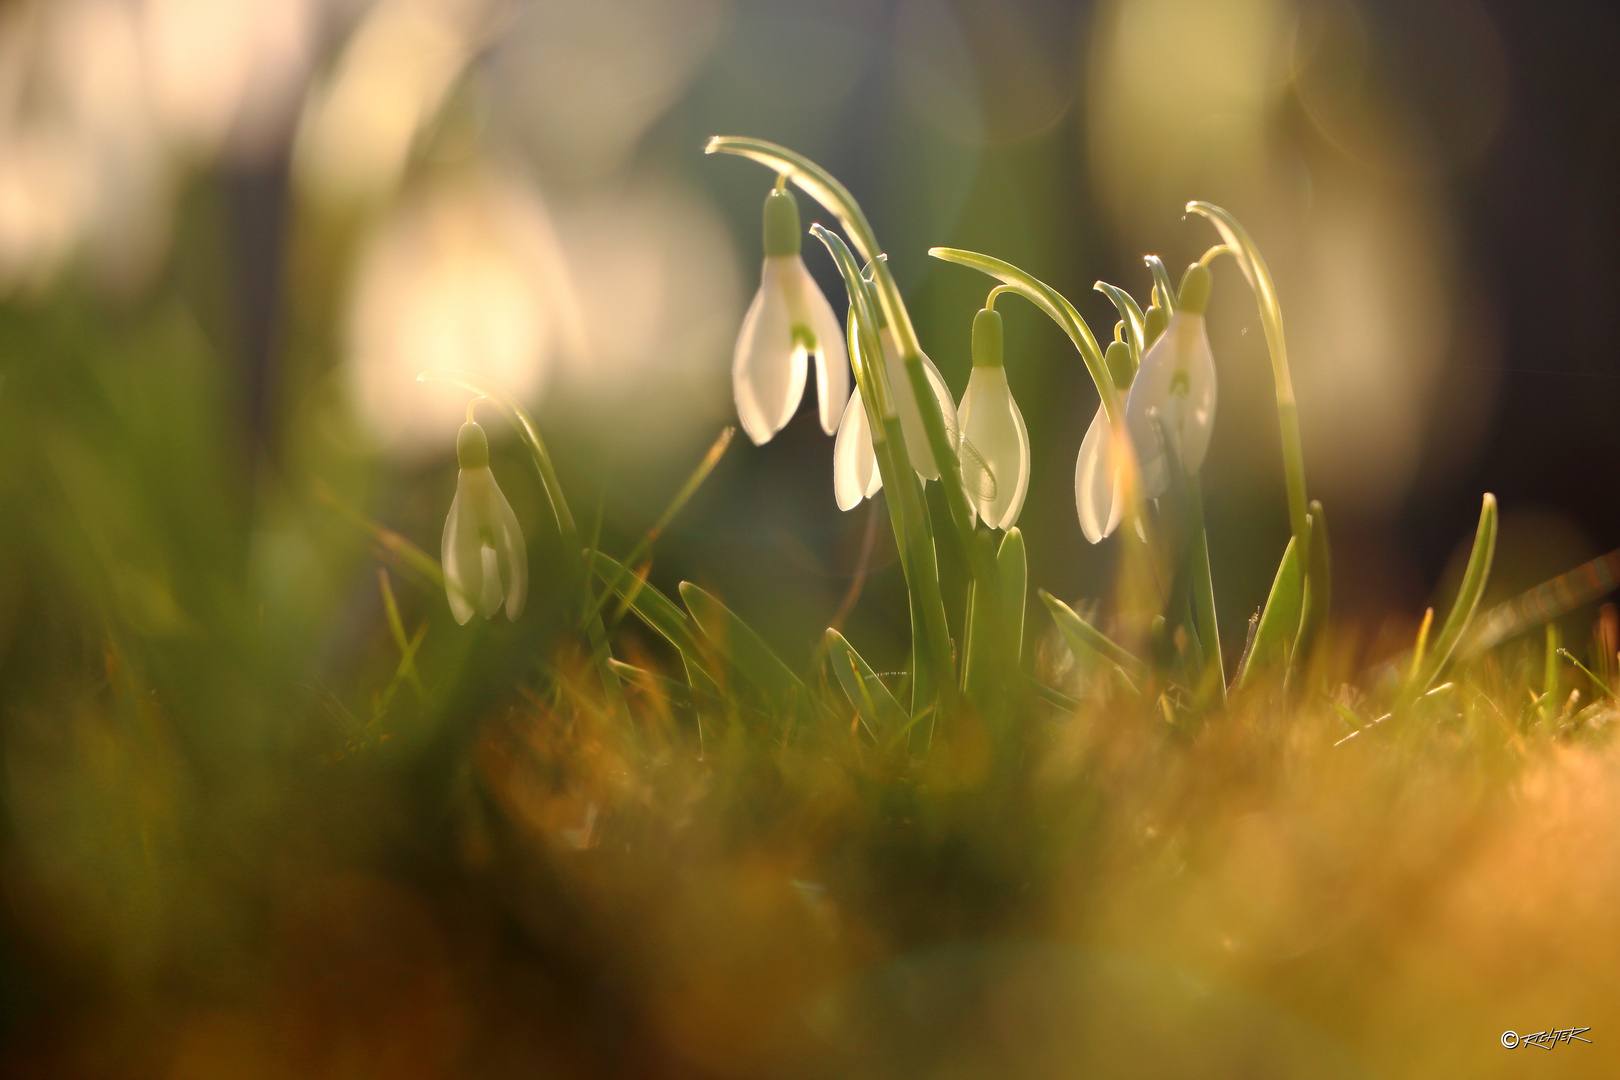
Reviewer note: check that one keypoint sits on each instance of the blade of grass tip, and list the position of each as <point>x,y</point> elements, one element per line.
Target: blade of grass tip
<point>864,689</point>
<point>1085,639</point>
<point>1166,297</point>
<point>677,692</point>
<point>657,611</point>
<point>1421,647</point>
<point>849,677</point>
<point>982,636</point>
<point>628,591</point>
<point>1012,567</point>
<point>1203,595</point>
<point>738,642</point>
<point>1279,619</point>
<point>1313,619</point>
<point>1549,672</point>
<point>1462,610</point>
<point>694,481</point>
<point>1596,680</point>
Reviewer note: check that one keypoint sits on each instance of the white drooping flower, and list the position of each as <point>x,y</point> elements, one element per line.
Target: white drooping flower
<point>1099,497</point>
<point>1173,395</point>
<point>485,562</point>
<point>1099,486</point>
<point>994,447</point>
<point>856,475</point>
<point>788,323</point>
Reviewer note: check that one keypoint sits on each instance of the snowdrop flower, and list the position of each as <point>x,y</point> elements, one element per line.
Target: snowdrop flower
<point>1174,392</point>
<point>788,322</point>
<point>995,444</point>
<point>1099,496</point>
<point>856,475</point>
<point>483,554</point>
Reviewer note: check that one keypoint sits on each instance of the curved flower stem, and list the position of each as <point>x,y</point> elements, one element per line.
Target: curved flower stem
<point>573,554</point>
<point>812,179</point>
<point>1057,308</point>
<point>1253,265</point>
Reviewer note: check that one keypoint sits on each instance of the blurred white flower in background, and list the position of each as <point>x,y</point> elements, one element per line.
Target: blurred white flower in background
<point>361,122</point>
<point>226,71</point>
<point>463,273</point>
<point>103,101</point>
<point>579,84</point>
<point>485,561</point>
<point>660,294</point>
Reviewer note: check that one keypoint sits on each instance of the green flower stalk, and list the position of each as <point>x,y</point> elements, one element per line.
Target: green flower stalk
<point>485,561</point>
<point>788,323</point>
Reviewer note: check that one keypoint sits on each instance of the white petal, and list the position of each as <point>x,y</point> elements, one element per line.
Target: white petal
<point>767,368</point>
<point>831,355</point>
<point>855,474</point>
<point>1198,420</point>
<point>1097,494</point>
<point>905,401</point>
<point>513,556</point>
<point>994,437</point>
<point>459,552</point>
<point>1187,415</point>
<point>489,600</point>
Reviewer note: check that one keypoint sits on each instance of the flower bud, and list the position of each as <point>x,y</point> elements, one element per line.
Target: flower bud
<point>782,234</point>
<point>472,447</point>
<point>987,339</point>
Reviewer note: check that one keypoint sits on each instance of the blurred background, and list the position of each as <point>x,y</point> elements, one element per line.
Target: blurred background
<point>233,231</point>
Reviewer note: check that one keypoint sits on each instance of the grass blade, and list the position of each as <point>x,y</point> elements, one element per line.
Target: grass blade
<point>1086,640</point>
<point>1318,587</point>
<point>652,607</point>
<point>1279,621</point>
<point>741,646</point>
<point>879,711</point>
<point>1012,568</point>
<point>682,497</point>
<point>1462,610</point>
